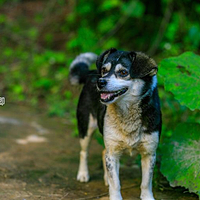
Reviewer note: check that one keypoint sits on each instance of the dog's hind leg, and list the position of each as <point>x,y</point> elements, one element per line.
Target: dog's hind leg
<point>83,173</point>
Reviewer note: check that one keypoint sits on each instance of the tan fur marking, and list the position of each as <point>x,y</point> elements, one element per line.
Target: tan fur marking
<point>119,67</point>
<point>106,66</point>
<point>122,127</point>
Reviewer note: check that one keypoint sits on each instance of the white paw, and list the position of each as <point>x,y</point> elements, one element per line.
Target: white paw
<point>147,197</point>
<point>83,176</point>
<point>116,196</point>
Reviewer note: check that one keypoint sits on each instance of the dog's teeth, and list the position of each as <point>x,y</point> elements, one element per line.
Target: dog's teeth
<point>105,95</point>
<point>110,96</point>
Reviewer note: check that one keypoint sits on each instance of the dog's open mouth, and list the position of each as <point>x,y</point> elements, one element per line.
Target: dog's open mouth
<point>107,96</point>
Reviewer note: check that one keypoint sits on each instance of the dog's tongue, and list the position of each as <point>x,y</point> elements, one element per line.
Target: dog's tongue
<point>105,95</point>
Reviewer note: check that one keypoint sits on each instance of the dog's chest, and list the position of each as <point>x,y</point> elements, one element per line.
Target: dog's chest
<point>122,128</point>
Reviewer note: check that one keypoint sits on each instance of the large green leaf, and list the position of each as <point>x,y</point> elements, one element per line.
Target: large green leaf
<point>182,77</point>
<point>181,157</point>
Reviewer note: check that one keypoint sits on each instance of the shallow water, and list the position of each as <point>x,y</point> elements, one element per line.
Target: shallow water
<point>39,160</point>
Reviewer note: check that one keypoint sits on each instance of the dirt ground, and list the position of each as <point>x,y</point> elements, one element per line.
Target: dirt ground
<point>39,160</point>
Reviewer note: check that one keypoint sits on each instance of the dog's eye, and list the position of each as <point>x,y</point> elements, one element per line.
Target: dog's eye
<point>123,72</point>
<point>104,71</point>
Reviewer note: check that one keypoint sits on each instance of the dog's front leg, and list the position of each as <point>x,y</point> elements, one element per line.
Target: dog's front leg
<point>148,162</point>
<point>104,167</point>
<point>112,166</point>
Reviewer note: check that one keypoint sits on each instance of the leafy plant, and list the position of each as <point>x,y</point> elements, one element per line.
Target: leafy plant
<point>181,157</point>
<point>181,154</point>
<point>181,77</point>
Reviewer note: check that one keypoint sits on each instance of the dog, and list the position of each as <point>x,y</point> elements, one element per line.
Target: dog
<point>121,99</point>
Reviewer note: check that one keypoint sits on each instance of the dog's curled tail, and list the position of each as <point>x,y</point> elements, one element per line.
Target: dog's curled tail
<point>79,68</point>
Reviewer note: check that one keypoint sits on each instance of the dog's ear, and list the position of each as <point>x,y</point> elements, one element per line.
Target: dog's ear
<point>142,65</point>
<point>132,56</point>
<point>102,58</point>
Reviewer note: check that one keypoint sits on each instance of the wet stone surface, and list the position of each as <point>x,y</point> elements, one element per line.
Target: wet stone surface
<point>39,160</point>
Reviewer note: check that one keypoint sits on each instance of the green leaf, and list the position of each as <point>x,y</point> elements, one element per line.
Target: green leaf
<point>181,157</point>
<point>107,5</point>
<point>98,136</point>
<point>17,89</point>
<point>33,33</point>
<point>182,77</point>
<point>133,9</point>
<point>84,9</point>
<point>113,42</point>
<point>106,24</point>
<point>194,35</point>
<point>2,18</point>
<point>85,39</point>
<point>44,83</point>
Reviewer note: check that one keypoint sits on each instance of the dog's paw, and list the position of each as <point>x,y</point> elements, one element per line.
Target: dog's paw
<point>147,197</point>
<point>115,195</point>
<point>83,176</point>
<point>146,194</point>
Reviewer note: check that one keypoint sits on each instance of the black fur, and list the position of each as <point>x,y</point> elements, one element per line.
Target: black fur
<point>151,114</point>
<point>81,70</point>
<point>142,66</point>
<point>132,74</point>
<point>102,58</point>
<point>89,101</point>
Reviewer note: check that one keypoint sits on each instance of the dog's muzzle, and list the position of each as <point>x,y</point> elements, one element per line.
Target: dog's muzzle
<point>106,95</point>
<point>101,83</point>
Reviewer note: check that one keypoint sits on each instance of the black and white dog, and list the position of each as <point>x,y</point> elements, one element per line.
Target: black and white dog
<point>121,99</point>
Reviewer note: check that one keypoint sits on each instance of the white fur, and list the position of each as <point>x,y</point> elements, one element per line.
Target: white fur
<point>87,58</point>
<point>133,93</point>
<point>123,131</point>
<point>148,153</point>
<point>83,173</point>
<point>154,84</point>
<point>74,80</point>
<point>114,84</point>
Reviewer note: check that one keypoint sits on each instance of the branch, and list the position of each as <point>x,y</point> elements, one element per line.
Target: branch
<point>116,28</point>
<point>162,29</point>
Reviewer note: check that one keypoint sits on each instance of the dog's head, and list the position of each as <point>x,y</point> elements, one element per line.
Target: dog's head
<point>124,73</point>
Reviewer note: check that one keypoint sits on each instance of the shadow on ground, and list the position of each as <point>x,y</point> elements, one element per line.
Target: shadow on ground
<point>39,160</point>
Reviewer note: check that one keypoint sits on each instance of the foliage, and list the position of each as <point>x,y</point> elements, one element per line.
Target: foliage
<point>181,77</point>
<point>181,163</point>
<point>39,39</point>
<point>36,48</point>
<point>180,154</point>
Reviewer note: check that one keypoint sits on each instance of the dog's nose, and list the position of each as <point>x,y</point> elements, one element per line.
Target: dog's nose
<point>101,83</point>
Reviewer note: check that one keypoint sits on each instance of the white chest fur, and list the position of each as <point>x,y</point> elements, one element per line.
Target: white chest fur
<point>123,130</point>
